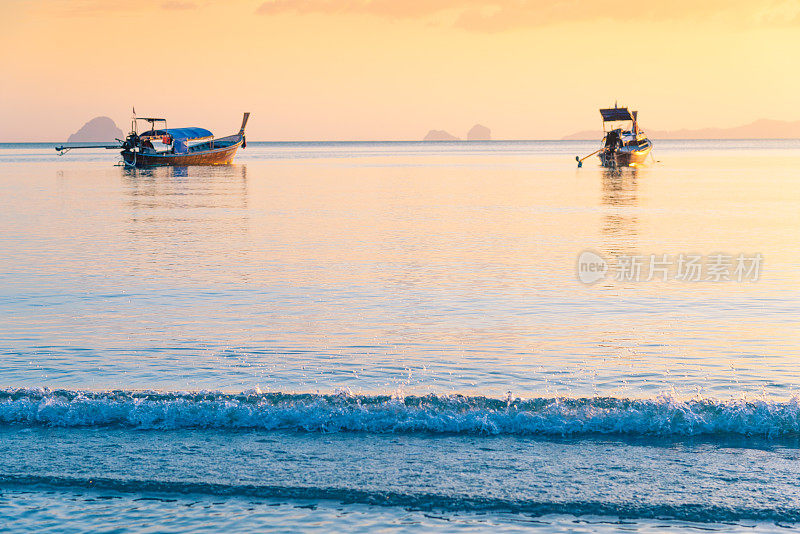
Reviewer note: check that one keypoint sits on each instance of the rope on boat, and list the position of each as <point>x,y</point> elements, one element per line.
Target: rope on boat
<point>134,160</point>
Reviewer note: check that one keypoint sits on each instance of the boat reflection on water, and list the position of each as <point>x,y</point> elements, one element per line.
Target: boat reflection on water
<point>620,202</point>
<point>196,202</point>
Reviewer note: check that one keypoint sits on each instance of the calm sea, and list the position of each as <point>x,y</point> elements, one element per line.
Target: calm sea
<point>401,336</point>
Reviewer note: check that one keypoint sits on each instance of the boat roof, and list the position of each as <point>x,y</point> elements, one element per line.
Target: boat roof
<point>616,114</point>
<point>189,133</point>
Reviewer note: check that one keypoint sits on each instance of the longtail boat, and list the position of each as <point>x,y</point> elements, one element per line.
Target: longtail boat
<point>160,145</point>
<point>624,144</point>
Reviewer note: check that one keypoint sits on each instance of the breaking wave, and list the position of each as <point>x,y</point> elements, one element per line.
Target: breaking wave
<point>443,414</point>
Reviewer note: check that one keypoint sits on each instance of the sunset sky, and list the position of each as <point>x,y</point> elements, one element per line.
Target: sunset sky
<point>394,69</point>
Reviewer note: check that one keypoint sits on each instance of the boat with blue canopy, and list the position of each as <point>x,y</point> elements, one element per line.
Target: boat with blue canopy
<point>160,145</point>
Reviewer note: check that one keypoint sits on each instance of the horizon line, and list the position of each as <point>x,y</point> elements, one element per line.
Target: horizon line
<point>440,141</point>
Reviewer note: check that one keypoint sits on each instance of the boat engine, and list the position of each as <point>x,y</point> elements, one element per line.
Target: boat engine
<point>130,142</point>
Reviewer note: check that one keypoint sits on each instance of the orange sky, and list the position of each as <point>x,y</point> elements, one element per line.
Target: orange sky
<point>393,69</point>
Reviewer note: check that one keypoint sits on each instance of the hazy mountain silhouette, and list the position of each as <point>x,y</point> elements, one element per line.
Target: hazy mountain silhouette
<point>440,135</point>
<point>476,133</point>
<point>760,129</point>
<point>479,133</point>
<point>99,129</point>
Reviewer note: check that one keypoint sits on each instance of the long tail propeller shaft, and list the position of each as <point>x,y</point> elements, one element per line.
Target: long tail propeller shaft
<point>580,159</point>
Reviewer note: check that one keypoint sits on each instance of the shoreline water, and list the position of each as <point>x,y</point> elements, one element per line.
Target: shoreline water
<point>398,294</point>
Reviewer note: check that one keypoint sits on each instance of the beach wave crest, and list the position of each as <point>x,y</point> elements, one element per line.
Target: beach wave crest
<point>442,414</point>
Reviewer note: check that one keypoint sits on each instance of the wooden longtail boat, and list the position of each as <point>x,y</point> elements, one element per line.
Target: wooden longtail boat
<point>161,146</point>
<point>623,145</point>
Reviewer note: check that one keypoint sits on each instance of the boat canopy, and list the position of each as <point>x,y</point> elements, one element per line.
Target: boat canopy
<point>616,114</point>
<point>190,134</point>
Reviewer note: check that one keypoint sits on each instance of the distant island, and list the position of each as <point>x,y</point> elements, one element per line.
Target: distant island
<point>440,135</point>
<point>476,133</point>
<point>479,133</point>
<point>99,129</point>
<point>760,129</point>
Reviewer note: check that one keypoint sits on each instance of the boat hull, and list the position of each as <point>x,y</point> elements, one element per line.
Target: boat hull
<point>214,156</point>
<point>625,158</point>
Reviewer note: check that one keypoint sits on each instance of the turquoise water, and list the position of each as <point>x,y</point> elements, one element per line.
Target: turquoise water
<point>393,335</point>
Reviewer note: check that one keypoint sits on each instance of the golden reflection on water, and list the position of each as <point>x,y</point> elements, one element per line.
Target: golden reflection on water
<point>459,268</point>
<point>619,200</point>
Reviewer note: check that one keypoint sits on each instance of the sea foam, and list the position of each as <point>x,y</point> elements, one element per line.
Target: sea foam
<point>443,414</point>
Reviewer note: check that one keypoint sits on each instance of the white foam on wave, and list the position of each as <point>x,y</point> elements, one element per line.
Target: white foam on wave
<point>660,416</point>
